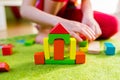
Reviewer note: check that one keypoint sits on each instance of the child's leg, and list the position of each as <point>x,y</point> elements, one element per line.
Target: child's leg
<point>108,23</point>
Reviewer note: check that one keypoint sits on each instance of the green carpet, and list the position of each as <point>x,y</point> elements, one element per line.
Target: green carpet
<point>97,67</point>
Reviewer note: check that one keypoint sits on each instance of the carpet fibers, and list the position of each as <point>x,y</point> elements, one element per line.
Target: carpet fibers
<point>22,67</point>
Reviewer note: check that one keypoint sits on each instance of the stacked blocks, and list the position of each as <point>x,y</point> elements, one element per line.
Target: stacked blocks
<point>72,48</point>
<point>58,49</point>
<point>46,48</point>
<point>39,58</point>
<point>83,46</point>
<point>109,48</point>
<point>4,67</point>
<point>60,37</point>
<point>6,50</point>
<point>80,57</point>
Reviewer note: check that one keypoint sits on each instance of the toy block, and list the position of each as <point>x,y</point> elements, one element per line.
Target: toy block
<point>29,42</point>
<point>6,50</point>
<point>0,47</point>
<point>22,41</point>
<point>58,49</point>
<point>83,37</point>
<point>83,43</point>
<point>80,57</point>
<point>109,48</point>
<point>65,61</point>
<point>65,37</point>
<point>94,47</point>
<point>72,48</point>
<point>46,48</point>
<point>39,58</point>
<point>59,29</point>
<point>4,67</point>
<point>84,49</point>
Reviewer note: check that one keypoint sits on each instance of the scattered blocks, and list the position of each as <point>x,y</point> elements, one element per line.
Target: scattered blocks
<point>6,50</point>
<point>109,48</point>
<point>80,57</point>
<point>58,49</point>
<point>46,48</point>
<point>4,67</point>
<point>22,41</point>
<point>39,58</point>
<point>94,47</point>
<point>29,42</point>
<point>72,48</point>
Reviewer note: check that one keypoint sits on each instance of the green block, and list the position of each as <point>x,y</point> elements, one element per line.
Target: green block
<point>65,61</point>
<point>29,42</point>
<point>83,44</point>
<point>65,37</point>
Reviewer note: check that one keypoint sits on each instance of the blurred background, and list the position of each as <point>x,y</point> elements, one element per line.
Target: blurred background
<point>11,24</point>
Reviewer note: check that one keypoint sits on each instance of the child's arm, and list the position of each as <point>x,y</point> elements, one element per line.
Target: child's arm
<point>88,17</point>
<point>29,11</point>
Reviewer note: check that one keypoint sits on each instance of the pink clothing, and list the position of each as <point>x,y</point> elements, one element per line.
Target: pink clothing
<point>108,23</point>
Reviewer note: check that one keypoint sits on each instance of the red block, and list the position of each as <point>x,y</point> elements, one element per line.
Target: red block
<point>39,58</point>
<point>6,50</point>
<point>4,67</point>
<point>59,29</point>
<point>82,36</point>
<point>80,57</point>
<point>58,49</point>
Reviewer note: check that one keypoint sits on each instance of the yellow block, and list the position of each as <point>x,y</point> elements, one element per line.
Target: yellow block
<point>84,49</point>
<point>72,48</point>
<point>46,48</point>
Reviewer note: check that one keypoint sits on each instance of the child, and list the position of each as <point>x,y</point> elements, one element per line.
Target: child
<point>76,20</point>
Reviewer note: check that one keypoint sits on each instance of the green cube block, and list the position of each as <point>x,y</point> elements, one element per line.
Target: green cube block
<point>83,43</point>
<point>65,61</point>
<point>65,37</point>
<point>29,42</point>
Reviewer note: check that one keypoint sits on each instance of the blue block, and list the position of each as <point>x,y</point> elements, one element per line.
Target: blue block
<point>0,47</point>
<point>109,48</point>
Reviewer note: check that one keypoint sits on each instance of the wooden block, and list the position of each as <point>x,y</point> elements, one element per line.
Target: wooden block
<point>65,37</point>
<point>83,37</point>
<point>39,58</point>
<point>58,49</point>
<point>80,57</point>
<point>59,29</point>
<point>4,67</point>
<point>65,61</point>
<point>109,48</point>
<point>29,42</point>
<point>72,48</point>
<point>84,49</point>
<point>94,47</point>
<point>46,48</point>
<point>83,43</point>
<point>6,50</point>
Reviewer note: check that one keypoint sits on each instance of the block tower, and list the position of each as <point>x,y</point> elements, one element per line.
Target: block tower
<point>59,37</point>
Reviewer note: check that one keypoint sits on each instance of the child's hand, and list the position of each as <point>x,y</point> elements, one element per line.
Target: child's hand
<point>75,27</point>
<point>91,22</point>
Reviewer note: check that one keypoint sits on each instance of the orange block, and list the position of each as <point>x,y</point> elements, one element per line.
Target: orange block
<point>58,49</point>
<point>4,67</point>
<point>80,57</point>
<point>39,58</point>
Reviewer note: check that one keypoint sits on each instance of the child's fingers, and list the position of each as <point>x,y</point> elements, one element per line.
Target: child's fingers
<point>73,34</point>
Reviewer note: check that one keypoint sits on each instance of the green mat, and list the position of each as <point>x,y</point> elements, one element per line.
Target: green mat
<point>97,67</point>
